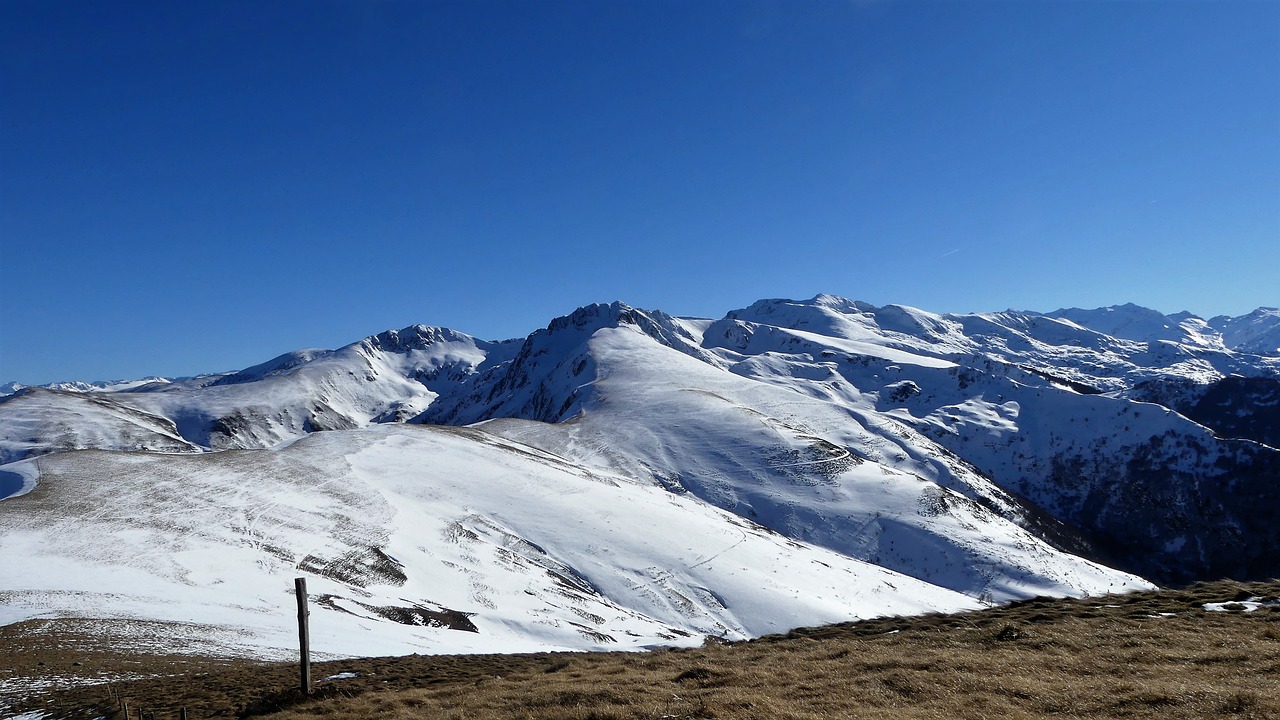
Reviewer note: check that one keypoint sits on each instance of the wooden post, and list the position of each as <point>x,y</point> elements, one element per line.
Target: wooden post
<point>124,705</point>
<point>182,714</point>
<point>304,634</point>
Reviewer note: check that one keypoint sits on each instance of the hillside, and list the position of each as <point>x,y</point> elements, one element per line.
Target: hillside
<point>1210,650</point>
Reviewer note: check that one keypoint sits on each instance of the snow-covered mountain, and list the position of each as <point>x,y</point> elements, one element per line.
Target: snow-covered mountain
<point>1257,332</point>
<point>624,478</point>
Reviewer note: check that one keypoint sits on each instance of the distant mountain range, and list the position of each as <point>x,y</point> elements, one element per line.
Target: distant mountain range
<point>624,478</point>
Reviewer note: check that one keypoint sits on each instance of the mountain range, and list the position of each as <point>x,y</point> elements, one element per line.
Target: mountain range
<point>624,478</point>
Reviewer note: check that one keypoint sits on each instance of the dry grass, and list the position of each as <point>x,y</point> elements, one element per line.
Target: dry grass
<point>1115,657</point>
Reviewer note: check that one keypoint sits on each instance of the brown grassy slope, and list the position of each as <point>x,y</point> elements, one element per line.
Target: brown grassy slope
<point>1093,658</point>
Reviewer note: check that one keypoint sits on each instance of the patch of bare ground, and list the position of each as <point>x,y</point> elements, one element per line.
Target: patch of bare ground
<point>1145,655</point>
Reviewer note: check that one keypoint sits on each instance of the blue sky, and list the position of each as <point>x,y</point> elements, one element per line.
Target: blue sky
<point>197,187</point>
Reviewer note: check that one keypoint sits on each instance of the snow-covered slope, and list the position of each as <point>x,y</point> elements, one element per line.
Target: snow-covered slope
<point>972,458</point>
<point>802,466</point>
<point>978,405</point>
<point>37,421</point>
<point>1257,332</point>
<point>415,539</point>
<point>1025,405</point>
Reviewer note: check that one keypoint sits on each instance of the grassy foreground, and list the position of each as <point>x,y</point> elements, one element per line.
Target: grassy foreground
<point>1156,655</point>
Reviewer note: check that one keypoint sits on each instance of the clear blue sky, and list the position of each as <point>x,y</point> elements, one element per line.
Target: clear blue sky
<point>198,186</point>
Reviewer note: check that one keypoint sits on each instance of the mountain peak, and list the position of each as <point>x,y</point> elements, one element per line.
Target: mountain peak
<point>840,304</point>
<point>1257,332</point>
<point>595,315</point>
<point>1129,308</point>
<point>416,337</point>
<point>1129,321</point>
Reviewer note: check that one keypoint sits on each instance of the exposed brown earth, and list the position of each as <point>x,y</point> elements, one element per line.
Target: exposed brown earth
<point>1146,655</point>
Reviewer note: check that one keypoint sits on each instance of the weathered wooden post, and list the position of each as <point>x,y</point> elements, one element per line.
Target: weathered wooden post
<point>304,634</point>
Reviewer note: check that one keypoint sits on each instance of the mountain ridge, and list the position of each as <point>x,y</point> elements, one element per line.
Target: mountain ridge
<point>1265,318</point>
<point>990,457</point>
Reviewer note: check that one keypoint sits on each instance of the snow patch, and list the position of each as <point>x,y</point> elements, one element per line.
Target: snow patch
<point>1250,605</point>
